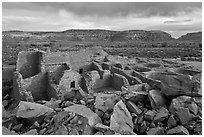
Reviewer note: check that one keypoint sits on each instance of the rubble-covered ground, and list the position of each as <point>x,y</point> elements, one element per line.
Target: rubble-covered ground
<point>100,94</point>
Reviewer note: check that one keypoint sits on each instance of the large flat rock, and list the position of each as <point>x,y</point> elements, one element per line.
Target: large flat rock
<point>31,110</point>
<point>121,119</point>
<point>82,110</point>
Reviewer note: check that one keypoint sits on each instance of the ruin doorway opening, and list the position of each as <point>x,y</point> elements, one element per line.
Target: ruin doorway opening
<point>72,85</point>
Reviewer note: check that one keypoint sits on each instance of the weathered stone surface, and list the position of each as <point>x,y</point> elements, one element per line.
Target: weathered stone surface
<point>171,122</point>
<point>106,102</point>
<point>121,120</point>
<point>133,108</point>
<point>69,80</point>
<point>82,110</point>
<point>6,131</point>
<point>179,102</point>
<point>96,82</point>
<point>119,81</point>
<point>184,115</point>
<point>156,131</point>
<point>173,84</point>
<point>30,110</point>
<point>180,107</point>
<point>179,130</point>
<point>149,115</point>
<point>161,115</point>
<point>28,63</point>
<point>157,100</point>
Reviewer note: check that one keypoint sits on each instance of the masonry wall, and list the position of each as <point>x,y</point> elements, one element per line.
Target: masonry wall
<point>28,63</point>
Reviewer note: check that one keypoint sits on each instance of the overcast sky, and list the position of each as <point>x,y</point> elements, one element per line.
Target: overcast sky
<point>174,18</point>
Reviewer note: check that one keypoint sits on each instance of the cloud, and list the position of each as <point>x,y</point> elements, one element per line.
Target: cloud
<point>111,9</point>
<point>177,21</point>
<point>175,18</point>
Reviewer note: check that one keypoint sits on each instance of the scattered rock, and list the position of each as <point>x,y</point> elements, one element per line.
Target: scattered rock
<point>60,116</point>
<point>156,131</point>
<point>106,102</point>
<point>136,97</point>
<point>99,113</point>
<point>179,102</point>
<point>133,108</point>
<point>149,115</point>
<point>161,115</point>
<point>121,120</point>
<point>88,130</point>
<point>61,131</point>
<point>143,127</point>
<point>101,127</point>
<point>82,110</point>
<point>179,130</point>
<point>73,131</point>
<point>179,106</point>
<point>171,122</point>
<point>52,103</point>
<point>157,99</point>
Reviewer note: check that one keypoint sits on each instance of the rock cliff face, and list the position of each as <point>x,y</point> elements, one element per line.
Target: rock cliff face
<point>104,35</point>
<point>192,36</point>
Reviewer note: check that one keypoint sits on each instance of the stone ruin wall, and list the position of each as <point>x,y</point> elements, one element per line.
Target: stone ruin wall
<point>43,75</point>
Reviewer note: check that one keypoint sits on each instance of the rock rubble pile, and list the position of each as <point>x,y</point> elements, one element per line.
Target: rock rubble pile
<point>99,96</point>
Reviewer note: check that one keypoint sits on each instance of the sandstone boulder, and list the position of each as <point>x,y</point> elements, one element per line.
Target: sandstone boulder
<point>83,111</point>
<point>180,107</point>
<point>121,120</point>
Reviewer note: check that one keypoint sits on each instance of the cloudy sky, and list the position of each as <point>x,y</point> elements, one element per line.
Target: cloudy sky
<point>174,18</point>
